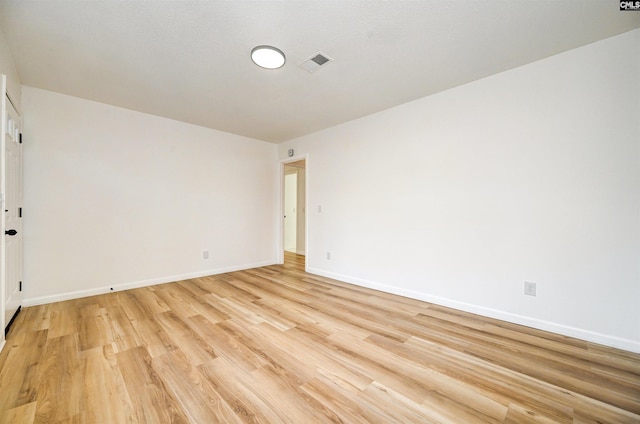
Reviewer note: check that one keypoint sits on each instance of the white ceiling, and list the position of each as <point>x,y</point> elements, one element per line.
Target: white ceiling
<point>190,60</point>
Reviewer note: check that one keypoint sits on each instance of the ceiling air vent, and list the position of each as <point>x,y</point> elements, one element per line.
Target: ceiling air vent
<point>315,62</point>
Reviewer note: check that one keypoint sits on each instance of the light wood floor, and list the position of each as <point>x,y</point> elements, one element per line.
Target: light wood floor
<point>277,345</point>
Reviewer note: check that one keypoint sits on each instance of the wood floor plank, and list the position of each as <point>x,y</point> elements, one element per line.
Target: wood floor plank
<point>196,394</point>
<point>33,319</point>
<point>60,384</point>
<point>94,327</point>
<point>278,345</point>
<point>186,338</point>
<point>24,414</point>
<point>518,414</point>
<point>327,365</point>
<point>192,287</point>
<point>349,408</point>
<point>132,307</point>
<point>152,401</point>
<point>154,337</point>
<point>177,299</point>
<point>405,410</point>
<point>105,396</point>
<point>19,374</point>
<point>61,322</point>
<point>424,381</point>
<point>499,383</point>
<point>279,351</point>
<point>241,391</point>
<point>227,342</point>
<point>149,302</point>
<point>285,393</point>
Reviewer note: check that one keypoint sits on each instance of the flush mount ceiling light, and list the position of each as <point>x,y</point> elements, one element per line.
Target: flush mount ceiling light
<point>267,57</point>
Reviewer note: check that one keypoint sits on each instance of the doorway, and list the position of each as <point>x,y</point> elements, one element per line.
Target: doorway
<point>11,187</point>
<point>294,208</point>
<point>290,208</point>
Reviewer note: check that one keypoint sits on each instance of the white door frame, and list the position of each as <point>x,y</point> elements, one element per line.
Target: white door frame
<point>280,217</point>
<point>290,225</point>
<point>9,192</point>
<point>3,114</point>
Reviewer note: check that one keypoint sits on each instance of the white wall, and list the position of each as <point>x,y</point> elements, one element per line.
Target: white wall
<point>458,198</point>
<point>8,67</point>
<point>117,198</point>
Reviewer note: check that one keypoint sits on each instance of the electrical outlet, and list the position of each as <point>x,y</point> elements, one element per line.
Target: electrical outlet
<point>529,288</point>
<point>205,254</point>
<point>328,256</point>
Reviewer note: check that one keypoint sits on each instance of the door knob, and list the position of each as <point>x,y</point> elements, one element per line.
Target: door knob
<point>11,232</point>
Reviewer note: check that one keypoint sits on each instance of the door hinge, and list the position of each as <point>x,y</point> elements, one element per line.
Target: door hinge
<point>19,212</point>
<point>20,286</point>
<point>20,138</point>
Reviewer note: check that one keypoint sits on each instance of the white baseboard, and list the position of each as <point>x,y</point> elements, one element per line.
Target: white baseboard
<point>300,252</point>
<point>590,336</point>
<point>33,301</point>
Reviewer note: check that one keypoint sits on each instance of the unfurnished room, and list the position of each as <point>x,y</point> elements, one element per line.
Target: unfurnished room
<point>320,211</point>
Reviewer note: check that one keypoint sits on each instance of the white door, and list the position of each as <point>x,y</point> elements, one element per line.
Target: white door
<point>12,213</point>
<point>290,219</point>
